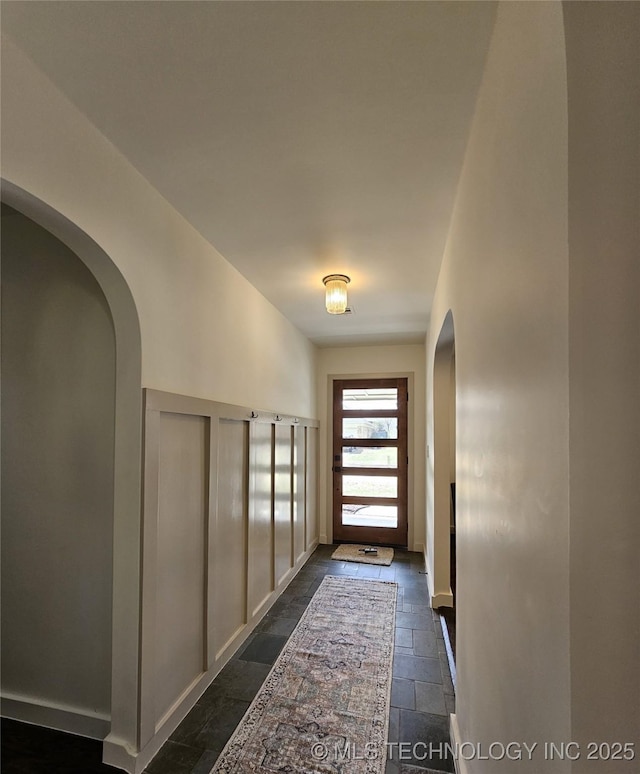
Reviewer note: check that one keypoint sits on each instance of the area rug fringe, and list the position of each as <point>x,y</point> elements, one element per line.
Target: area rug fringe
<point>324,706</point>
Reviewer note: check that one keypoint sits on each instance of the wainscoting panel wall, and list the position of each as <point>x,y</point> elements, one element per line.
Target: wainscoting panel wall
<point>299,491</point>
<point>261,542</point>
<point>229,517</point>
<point>181,533</point>
<point>229,570</point>
<point>283,503</point>
<point>311,475</point>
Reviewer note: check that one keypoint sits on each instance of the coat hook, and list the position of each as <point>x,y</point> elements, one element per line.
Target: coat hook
<point>278,418</point>
<point>254,415</point>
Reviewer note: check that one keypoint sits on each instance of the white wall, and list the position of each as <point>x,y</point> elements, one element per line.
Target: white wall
<point>504,276</point>
<point>58,407</point>
<point>206,331</point>
<point>542,275</point>
<point>603,54</point>
<point>357,362</point>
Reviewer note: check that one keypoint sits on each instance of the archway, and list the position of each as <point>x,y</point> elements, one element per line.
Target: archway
<point>58,420</point>
<point>444,472</point>
<point>126,462</point>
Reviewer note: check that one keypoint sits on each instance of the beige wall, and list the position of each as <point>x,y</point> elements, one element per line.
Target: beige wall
<point>206,331</point>
<point>504,277</point>
<point>58,405</point>
<point>603,54</point>
<point>356,362</point>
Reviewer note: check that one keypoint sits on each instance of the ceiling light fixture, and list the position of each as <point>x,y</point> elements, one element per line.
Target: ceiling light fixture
<point>336,293</point>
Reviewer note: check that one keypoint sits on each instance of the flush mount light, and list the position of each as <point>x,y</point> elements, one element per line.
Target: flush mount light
<point>336,293</point>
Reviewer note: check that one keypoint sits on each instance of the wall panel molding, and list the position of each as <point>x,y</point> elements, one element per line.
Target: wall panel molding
<point>229,517</point>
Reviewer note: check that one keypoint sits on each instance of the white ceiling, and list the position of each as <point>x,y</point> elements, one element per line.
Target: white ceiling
<point>300,138</point>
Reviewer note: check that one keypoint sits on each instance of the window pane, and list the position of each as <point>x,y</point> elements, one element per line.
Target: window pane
<point>369,486</point>
<point>376,398</point>
<point>375,427</point>
<point>366,457</point>
<point>385,516</point>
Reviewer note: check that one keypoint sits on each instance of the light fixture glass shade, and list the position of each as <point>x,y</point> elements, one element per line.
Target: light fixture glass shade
<point>336,293</point>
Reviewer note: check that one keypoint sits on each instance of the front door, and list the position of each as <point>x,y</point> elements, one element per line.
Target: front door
<point>370,461</point>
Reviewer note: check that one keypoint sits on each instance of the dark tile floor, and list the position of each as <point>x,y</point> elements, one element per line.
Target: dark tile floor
<point>30,749</point>
<point>422,693</point>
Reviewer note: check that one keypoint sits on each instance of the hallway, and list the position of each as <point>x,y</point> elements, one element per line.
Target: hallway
<point>421,698</point>
<point>201,168</point>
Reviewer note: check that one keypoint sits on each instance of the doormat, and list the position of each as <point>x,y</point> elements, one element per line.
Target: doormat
<point>355,553</point>
<point>329,692</point>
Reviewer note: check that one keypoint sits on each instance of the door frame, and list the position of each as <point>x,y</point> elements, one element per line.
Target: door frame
<point>439,486</point>
<point>362,534</point>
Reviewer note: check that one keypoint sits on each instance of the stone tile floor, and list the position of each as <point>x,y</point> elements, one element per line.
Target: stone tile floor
<point>422,693</point>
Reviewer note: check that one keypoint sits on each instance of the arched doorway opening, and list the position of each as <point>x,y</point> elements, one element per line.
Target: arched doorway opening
<point>444,478</point>
<point>120,717</point>
<point>58,420</point>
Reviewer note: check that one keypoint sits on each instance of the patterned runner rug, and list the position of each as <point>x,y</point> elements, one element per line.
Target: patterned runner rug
<point>325,705</point>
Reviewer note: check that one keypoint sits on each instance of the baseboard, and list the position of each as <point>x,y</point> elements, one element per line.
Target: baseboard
<point>324,540</point>
<point>419,549</point>
<point>454,730</point>
<point>59,717</point>
<point>118,754</point>
<point>450,658</point>
<point>430,587</point>
<point>442,599</point>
